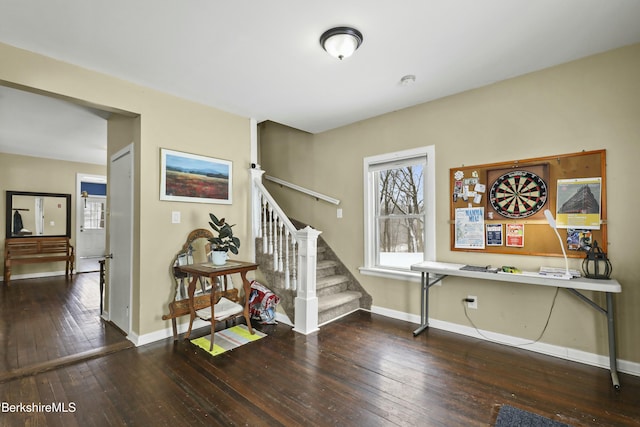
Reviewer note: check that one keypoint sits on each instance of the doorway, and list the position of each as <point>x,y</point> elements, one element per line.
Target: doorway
<point>106,130</point>
<point>91,221</point>
<point>72,306</point>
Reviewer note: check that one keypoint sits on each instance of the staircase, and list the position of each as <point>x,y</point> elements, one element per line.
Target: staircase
<point>338,292</point>
<point>314,286</point>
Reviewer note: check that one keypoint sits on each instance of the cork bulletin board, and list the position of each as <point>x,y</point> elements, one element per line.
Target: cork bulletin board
<point>499,207</point>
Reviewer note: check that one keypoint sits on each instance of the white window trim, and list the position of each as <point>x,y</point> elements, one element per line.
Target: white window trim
<point>369,267</point>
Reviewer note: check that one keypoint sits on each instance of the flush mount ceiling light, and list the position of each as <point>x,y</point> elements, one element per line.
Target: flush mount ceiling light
<point>408,80</point>
<point>341,42</point>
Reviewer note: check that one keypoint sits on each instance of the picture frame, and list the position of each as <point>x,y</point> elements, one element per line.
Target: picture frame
<point>186,177</point>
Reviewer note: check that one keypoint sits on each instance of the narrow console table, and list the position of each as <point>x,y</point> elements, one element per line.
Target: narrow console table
<point>440,270</point>
<point>211,271</point>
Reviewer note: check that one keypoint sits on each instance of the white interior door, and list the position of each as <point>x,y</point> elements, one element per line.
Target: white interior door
<point>91,236</point>
<point>120,238</point>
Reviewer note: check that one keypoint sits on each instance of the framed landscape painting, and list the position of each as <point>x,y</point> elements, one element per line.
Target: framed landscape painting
<point>188,177</point>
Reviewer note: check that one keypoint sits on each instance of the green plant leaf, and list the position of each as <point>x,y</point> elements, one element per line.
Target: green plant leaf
<point>225,232</point>
<point>215,220</point>
<point>225,240</point>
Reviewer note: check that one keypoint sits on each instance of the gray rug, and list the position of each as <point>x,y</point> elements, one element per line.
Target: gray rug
<point>508,416</point>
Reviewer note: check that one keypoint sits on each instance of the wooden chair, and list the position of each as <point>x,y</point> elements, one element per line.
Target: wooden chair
<point>195,251</point>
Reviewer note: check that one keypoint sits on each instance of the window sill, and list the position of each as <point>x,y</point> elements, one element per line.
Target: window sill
<point>389,273</point>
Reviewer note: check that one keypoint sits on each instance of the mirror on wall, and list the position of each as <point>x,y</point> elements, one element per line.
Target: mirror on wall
<point>194,251</point>
<point>32,214</point>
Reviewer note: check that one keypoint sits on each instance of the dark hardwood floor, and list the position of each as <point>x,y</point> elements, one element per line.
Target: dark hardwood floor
<point>52,319</point>
<point>363,370</point>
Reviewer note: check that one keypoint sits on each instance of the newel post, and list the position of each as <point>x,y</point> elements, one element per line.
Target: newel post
<point>256,201</point>
<point>306,303</point>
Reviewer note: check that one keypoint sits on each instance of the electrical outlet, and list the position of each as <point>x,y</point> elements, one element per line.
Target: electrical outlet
<point>473,304</point>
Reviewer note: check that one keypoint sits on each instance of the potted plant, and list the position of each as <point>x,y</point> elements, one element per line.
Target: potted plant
<point>224,241</point>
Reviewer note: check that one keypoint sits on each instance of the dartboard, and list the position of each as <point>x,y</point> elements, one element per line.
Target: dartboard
<point>518,194</point>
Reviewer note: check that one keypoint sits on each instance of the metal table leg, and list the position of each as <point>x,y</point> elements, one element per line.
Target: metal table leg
<point>611,331</point>
<point>424,304</point>
<point>613,363</point>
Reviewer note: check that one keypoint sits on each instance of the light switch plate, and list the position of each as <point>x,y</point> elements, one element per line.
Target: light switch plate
<point>175,217</point>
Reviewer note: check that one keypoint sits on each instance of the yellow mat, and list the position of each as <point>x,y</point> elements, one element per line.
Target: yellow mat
<point>228,339</point>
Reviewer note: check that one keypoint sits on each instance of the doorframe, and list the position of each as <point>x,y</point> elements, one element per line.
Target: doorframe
<point>80,178</point>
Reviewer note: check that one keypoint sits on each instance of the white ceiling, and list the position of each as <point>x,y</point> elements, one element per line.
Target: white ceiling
<point>262,59</point>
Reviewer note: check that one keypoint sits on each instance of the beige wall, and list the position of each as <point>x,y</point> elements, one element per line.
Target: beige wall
<point>590,104</point>
<point>164,121</point>
<point>25,173</point>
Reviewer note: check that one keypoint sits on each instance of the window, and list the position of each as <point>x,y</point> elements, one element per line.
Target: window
<point>399,213</point>
<point>93,215</point>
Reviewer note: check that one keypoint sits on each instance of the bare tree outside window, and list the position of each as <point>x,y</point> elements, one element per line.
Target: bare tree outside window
<point>400,216</point>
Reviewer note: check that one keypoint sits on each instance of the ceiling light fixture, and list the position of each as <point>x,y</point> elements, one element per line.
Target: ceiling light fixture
<point>408,80</point>
<point>341,42</point>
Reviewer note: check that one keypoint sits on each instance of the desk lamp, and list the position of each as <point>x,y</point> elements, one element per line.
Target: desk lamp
<point>552,224</point>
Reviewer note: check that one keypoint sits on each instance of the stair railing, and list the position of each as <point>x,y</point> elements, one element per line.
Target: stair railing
<point>294,252</point>
<point>315,194</point>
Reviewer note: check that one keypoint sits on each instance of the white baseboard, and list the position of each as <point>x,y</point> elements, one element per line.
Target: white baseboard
<point>166,333</point>
<point>283,318</point>
<point>566,353</point>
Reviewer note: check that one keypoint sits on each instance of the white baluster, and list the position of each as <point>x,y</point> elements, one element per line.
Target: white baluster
<point>263,226</point>
<point>276,251</point>
<point>261,203</point>
<point>270,229</point>
<point>281,254</point>
<point>294,257</point>
<point>286,260</point>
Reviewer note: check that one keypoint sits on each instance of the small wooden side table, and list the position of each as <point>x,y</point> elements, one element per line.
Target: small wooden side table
<point>211,271</point>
